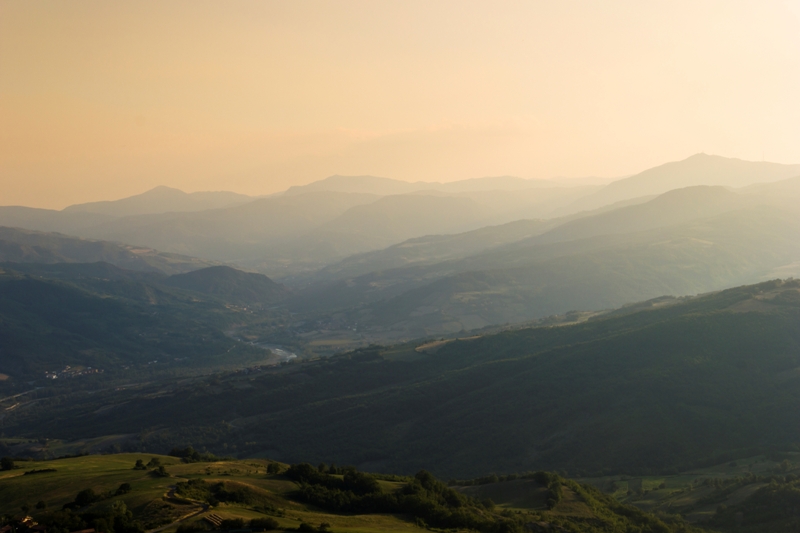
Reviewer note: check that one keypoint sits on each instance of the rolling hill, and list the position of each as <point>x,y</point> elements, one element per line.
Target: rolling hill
<point>526,280</point>
<point>25,246</point>
<point>230,285</point>
<point>225,494</point>
<point>122,321</point>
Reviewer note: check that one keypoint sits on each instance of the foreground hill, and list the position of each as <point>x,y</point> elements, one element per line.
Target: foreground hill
<point>658,388</point>
<point>166,492</point>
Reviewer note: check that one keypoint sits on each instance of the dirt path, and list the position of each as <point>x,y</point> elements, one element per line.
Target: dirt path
<point>169,495</point>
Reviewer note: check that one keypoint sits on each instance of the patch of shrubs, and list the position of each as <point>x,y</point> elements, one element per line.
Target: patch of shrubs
<point>213,493</point>
<point>116,518</point>
<point>160,472</point>
<point>190,455</point>
<point>39,471</point>
<point>427,499</point>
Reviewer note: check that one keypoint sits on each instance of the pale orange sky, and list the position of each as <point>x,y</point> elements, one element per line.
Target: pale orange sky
<point>100,100</point>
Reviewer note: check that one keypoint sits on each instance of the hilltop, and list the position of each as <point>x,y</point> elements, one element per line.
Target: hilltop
<point>230,284</point>
<point>699,169</point>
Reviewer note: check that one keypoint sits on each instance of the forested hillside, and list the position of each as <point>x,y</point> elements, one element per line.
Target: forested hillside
<point>657,388</point>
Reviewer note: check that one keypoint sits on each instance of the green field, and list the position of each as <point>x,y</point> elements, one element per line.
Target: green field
<point>164,503</point>
<point>150,498</point>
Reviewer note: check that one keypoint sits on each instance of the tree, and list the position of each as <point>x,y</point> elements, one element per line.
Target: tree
<point>155,462</point>
<point>139,465</point>
<point>41,505</point>
<point>273,468</point>
<point>86,497</point>
<point>6,463</point>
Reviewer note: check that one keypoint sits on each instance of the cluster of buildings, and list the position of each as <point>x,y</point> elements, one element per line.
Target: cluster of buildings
<point>70,372</point>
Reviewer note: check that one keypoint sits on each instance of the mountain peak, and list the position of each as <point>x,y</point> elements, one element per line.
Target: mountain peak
<point>162,199</point>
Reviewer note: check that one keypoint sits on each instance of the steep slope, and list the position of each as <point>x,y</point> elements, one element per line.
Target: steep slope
<point>230,285</point>
<point>674,207</point>
<point>673,385</point>
<point>161,200</point>
<point>24,246</point>
<point>699,169</point>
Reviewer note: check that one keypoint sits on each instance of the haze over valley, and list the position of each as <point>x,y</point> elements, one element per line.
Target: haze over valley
<point>397,267</point>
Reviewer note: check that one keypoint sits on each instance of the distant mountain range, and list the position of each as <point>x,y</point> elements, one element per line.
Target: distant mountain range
<point>388,186</point>
<point>312,226</point>
<point>699,169</point>
<point>686,241</point>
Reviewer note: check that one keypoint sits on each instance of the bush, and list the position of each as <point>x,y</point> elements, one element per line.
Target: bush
<point>86,497</point>
<point>190,455</point>
<point>232,523</point>
<point>306,528</point>
<point>265,524</point>
<point>6,463</point>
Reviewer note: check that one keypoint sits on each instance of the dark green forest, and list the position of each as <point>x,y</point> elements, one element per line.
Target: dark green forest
<point>679,384</point>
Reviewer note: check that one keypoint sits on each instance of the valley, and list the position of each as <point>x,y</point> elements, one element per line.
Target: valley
<point>647,348</point>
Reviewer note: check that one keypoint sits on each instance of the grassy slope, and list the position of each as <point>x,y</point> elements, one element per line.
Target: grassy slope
<point>153,504</point>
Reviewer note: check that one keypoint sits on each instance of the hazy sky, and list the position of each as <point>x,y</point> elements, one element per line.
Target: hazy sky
<point>100,100</point>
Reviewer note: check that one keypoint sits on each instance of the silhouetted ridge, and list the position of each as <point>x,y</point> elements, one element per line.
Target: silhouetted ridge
<point>162,199</point>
